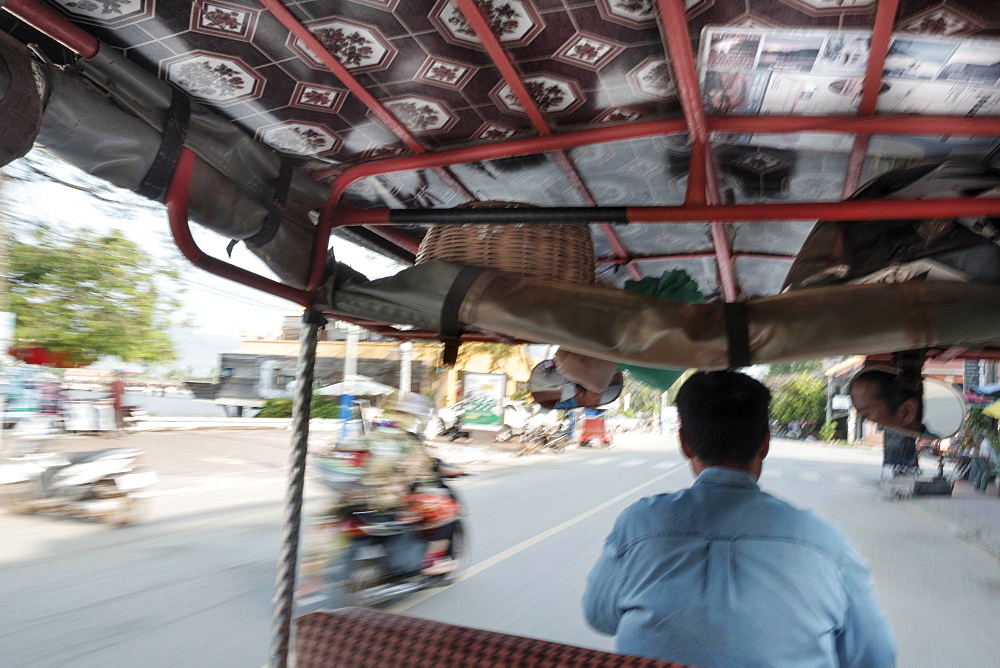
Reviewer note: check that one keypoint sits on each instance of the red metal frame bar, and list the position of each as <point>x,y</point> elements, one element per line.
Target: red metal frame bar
<point>46,21</point>
<point>888,124</point>
<point>607,230</point>
<point>957,126</point>
<point>951,353</point>
<point>180,228</point>
<point>885,18</point>
<point>847,210</point>
<point>474,15</point>
<point>480,25</point>
<point>297,28</point>
<point>287,19</point>
<point>702,177</point>
<point>423,334</point>
<point>697,256</point>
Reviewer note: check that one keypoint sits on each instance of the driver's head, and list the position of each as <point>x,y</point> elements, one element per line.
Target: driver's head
<point>880,397</point>
<point>724,417</point>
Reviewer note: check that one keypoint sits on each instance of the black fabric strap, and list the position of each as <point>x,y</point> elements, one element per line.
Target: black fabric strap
<point>272,222</point>
<point>451,328</point>
<point>737,334</point>
<point>156,180</point>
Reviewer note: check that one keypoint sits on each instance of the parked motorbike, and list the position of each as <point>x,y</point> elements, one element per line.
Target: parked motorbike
<point>555,437</point>
<point>449,422</point>
<point>96,485</point>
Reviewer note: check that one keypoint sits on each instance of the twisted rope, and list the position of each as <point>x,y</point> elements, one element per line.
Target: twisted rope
<point>284,590</point>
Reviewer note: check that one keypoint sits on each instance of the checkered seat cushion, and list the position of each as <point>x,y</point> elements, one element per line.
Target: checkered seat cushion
<point>362,638</point>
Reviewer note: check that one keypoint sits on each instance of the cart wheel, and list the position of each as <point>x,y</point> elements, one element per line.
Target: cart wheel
<point>362,578</point>
<point>127,512</point>
<point>17,497</point>
<point>457,551</point>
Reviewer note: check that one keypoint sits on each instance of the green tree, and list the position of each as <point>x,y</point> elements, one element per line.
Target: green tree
<point>801,398</point>
<point>645,400</point>
<point>90,293</point>
<point>789,368</point>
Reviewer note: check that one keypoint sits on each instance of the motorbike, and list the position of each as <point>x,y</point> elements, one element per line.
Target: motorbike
<point>449,422</point>
<point>368,558</point>
<point>554,437</point>
<point>103,484</point>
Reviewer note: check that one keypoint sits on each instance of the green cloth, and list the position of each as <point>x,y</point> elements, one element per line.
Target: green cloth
<point>671,286</point>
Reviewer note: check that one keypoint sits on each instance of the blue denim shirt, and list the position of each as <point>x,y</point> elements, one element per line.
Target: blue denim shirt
<point>723,574</point>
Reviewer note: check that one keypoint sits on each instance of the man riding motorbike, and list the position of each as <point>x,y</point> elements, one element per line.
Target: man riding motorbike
<point>390,480</point>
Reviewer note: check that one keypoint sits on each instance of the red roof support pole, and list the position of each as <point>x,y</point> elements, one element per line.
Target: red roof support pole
<point>702,179</point>
<point>507,149</point>
<point>180,228</point>
<point>849,210</point>
<point>885,17</point>
<point>887,124</point>
<point>953,125</point>
<point>46,21</point>
<point>495,51</point>
<point>481,26</point>
<point>287,19</point>
<point>322,240</point>
<point>700,256</point>
<point>471,154</point>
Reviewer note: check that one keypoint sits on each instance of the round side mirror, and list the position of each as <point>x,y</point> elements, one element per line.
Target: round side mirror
<point>944,409</point>
<point>550,389</point>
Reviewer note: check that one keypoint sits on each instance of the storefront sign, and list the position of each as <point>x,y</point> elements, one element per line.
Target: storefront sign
<point>483,396</point>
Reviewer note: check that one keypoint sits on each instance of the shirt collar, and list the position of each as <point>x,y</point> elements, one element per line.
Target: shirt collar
<point>719,475</point>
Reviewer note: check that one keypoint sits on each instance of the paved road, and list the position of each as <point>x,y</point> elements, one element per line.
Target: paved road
<point>191,586</point>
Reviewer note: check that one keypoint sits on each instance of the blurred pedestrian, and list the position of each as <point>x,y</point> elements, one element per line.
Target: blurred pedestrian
<point>982,463</point>
<point>116,390</point>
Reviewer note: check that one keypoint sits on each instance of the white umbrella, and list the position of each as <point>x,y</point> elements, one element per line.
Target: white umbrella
<point>358,386</point>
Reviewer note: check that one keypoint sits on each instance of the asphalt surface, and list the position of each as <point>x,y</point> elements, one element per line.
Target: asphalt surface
<point>191,585</point>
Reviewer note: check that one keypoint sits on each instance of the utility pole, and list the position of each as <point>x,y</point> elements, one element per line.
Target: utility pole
<point>4,257</point>
<point>405,358</point>
<point>6,318</point>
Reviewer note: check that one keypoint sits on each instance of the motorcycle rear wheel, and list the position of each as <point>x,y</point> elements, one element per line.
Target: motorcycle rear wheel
<point>457,551</point>
<point>17,497</point>
<point>127,512</point>
<point>363,577</point>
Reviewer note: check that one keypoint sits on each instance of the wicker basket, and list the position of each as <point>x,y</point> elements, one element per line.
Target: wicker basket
<point>553,252</point>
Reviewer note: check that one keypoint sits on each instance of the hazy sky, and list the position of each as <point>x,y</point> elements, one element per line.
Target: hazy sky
<point>220,311</point>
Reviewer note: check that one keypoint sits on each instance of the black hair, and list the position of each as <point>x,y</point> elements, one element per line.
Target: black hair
<point>724,416</point>
<point>889,389</point>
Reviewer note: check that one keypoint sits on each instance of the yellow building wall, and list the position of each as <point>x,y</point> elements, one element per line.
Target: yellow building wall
<point>517,366</point>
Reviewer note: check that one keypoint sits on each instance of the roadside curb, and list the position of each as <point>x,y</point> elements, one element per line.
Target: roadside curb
<point>945,513</point>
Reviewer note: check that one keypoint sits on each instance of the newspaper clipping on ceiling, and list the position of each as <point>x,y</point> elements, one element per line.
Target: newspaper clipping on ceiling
<point>820,72</point>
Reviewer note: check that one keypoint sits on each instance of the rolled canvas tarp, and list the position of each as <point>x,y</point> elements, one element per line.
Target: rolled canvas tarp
<point>108,116</point>
<point>619,326</point>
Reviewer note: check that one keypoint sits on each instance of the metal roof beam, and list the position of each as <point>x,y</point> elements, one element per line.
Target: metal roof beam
<point>297,28</point>
<point>846,210</point>
<point>885,18</point>
<point>480,25</point>
<point>46,21</point>
<point>703,183</point>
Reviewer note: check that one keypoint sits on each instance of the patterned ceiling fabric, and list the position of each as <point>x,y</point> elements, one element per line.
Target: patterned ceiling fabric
<point>586,63</point>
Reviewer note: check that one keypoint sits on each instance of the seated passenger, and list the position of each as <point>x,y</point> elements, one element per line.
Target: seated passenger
<point>723,574</point>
